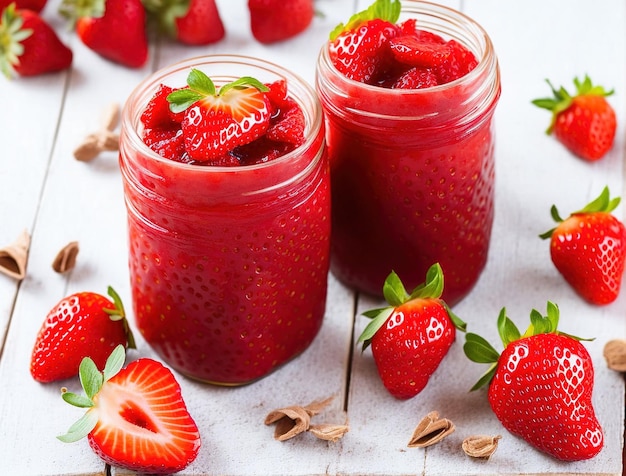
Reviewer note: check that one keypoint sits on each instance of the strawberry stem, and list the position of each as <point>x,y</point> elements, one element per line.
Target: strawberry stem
<point>387,10</point>
<point>91,380</point>
<point>119,314</point>
<point>201,86</point>
<point>395,294</point>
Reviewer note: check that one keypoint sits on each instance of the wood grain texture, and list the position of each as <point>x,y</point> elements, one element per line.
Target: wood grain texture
<point>45,190</point>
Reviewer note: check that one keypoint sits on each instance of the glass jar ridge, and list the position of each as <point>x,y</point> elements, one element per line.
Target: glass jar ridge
<point>212,248</point>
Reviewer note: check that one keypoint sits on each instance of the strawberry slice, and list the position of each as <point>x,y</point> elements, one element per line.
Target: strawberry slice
<point>136,417</point>
<point>215,122</point>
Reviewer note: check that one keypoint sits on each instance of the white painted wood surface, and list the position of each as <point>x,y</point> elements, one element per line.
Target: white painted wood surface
<point>57,199</point>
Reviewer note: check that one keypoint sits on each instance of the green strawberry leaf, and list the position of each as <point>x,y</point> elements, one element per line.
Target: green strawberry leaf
<point>114,362</point>
<point>602,203</point>
<point>119,314</point>
<point>80,401</point>
<point>479,350</point>
<point>379,317</point>
<point>81,428</point>
<point>507,329</point>
<point>388,10</point>
<point>432,288</point>
<point>486,377</point>
<point>456,320</point>
<point>90,377</point>
<point>394,291</point>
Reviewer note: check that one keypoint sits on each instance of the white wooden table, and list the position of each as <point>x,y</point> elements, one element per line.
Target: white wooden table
<point>57,199</point>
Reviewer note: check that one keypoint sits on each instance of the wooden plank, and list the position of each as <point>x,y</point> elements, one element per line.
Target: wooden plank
<point>87,200</point>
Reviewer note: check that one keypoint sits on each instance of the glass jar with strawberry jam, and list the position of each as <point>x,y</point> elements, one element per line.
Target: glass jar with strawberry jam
<point>410,140</point>
<point>228,258</point>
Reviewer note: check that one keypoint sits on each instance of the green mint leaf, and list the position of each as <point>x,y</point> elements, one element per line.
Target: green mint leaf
<point>200,82</point>
<point>388,10</point>
<point>243,83</point>
<point>181,99</point>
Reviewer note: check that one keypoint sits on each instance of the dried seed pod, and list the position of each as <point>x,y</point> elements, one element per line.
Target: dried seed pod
<point>290,421</point>
<point>480,446</point>
<point>65,259</point>
<point>102,139</point>
<point>329,432</point>
<point>430,430</point>
<point>615,354</point>
<point>14,256</point>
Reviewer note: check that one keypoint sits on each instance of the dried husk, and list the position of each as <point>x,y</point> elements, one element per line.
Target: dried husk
<point>615,354</point>
<point>480,446</point>
<point>430,430</point>
<point>290,421</point>
<point>13,257</point>
<point>65,260</point>
<point>103,139</point>
<point>329,432</point>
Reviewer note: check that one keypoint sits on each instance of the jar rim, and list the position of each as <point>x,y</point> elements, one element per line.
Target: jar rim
<point>141,94</point>
<point>485,62</point>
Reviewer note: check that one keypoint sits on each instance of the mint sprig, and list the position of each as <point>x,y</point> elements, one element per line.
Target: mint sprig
<point>388,10</point>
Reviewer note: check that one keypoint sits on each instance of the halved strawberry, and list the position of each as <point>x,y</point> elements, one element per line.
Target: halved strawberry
<point>217,121</point>
<point>136,417</point>
<point>359,49</point>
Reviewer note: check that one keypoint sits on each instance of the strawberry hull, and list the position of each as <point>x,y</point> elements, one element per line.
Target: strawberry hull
<point>228,265</point>
<point>413,170</point>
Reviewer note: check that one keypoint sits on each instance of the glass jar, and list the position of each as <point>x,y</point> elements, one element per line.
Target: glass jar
<point>412,171</point>
<point>228,265</point>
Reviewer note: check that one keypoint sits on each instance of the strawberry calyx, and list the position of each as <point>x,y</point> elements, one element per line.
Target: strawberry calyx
<point>12,34</point>
<point>479,350</point>
<point>72,10</point>
<point>91,380</point>
<point>119,314</point>
<point>200,87</point>
<point>166,12</point>
<point>562,99</point>
<point>396,295</point>
<point>602,204</point>
<point>388,10</point>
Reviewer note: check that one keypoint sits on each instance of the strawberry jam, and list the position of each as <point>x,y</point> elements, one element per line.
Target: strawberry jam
<point>411,147</point>
<point>228,257</point>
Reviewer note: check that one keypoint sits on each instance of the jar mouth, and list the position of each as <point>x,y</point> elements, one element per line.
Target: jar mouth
<point>439,19</point>
<point>175,75</point>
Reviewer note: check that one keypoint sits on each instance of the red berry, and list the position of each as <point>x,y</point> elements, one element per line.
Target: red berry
<point>584,123</point>
<point>136,417</point>
<point>589,249</point>
<point>29,46</point>
<point>411,337</point>
<point>81,325</point>
<point>541,387</point>
<point>279,20</point>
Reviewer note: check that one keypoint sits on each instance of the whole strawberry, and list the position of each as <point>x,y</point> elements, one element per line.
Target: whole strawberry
<point>585,123</point>
<point>540,387</point>
<point>411,337</point>
<point>216,121</point>
<point>29,46</point>
<point>80,325</point>
<point>136,417</point>
<point>193,22</point>
<point>34,5</point>
<point>360,48</point>
<point>589,249</point>
<point>114,29</point>
<point>279,20</point>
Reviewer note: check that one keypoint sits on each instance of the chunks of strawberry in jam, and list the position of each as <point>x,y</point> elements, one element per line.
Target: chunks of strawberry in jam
<point>176,135</point>
<point>382,53</point>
